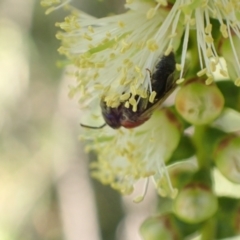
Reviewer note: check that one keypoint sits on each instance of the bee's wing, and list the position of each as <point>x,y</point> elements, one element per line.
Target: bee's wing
<point>146,108</point>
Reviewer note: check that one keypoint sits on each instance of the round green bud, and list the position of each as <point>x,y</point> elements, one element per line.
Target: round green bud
<point>195,203</point>
<point>162,227</point>
<point>198,103</point>
<point>227,158</point>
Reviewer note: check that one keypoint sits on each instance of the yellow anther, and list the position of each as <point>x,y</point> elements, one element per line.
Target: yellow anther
<point>208,29</point>
<point>127,105</point>
<point>133,101</point>
<point>133,90</point>
<point>86,36</point>
<point>151,13</point>
<point>125,96</point>
<point>209,52</point>
<point>223,73</point>
<point>208,39</point>
<point>169,50</point>
<point>192,21</point>
<point>237,82</point>
<point>213,66</point>
<point>152,96</point>
<point>209,80</point>
<point>134,108</point>
<point>180,80</point>
<point>137,69</point>
<point>178,67</point>
<point>90,29</point>
<point>152,45</point>
<point>121,24</point>
<point>223,30</point>
<point>112,55</point>
<point>202,72</point>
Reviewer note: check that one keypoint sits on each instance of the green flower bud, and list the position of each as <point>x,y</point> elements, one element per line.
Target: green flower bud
<point>198,103</point>
<point>162,227</point>
<point>227,157</point>
<point>229,208</point>
<point>195,203</point>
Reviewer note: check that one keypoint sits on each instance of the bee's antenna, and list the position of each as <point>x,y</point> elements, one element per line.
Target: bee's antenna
<point>92,127</point>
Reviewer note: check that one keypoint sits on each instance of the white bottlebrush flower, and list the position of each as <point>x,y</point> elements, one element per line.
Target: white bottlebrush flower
<point>114,57</point>
<point>125,156</point>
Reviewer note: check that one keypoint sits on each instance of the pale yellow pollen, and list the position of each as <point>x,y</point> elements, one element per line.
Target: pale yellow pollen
<point>228,8</point>
<point>90,46</point>
<point>95,75</point>
<point>129,64</point>
<point>213,66</point>
<point>138,199</point>
<point>125,96</point>
<point>151,13</point>
<point>112,55</point>
<point>133,101</point>
<point>125,46</point>
<point>106,89</point>
<point>133,90</point>
<point>237,82</point>
<point>209,80</point>
<point>202,72</point>
<point>127,105</point>
<point>122,80</point>
<point>99,65</point>
<point>216,59</point>
<point>152,45</point>
<point>208,29</point>
<point>98,86</point>
<point>137,69</point>
<point>169,50</point>
<point>223,73</point>
<point>131,146</point>
<point>192,21</point>
<point>209,52</point>
<point>134,108</point>
<point>111,98</point>
<point>180,80</point>
<point>59,36</point>
<point>187,19</point>
<point>208,39</point>
<point>62,50</point>
<point>108,34</point>
<point>152,96</point>
<point>121,24</point>
<point>90,29</point>
<point>204,4</point>
<point>115,104</point>
<point>178,67</point>
<point>223,30</point>
<point>152,139</point>
<point>86,36</point>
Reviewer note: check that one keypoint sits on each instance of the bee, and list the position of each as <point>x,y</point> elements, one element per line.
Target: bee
<point>162,82</point>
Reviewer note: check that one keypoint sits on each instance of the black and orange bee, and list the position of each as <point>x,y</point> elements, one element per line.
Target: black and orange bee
<point>162,82</point>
